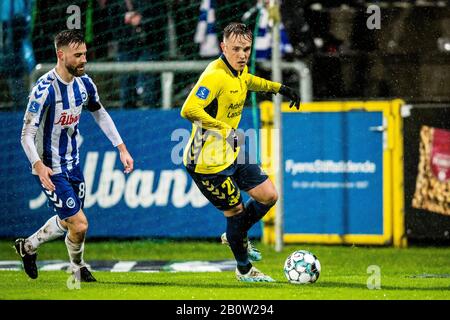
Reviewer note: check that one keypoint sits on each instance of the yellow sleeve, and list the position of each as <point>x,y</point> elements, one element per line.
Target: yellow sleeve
<point>255,83</point>
<point>207,89</point>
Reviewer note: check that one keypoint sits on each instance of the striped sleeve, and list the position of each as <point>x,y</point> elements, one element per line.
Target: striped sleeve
<point>93,97</point>
<point>38,101</point>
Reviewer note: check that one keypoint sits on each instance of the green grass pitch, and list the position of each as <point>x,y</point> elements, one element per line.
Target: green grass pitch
<point>419,273</point>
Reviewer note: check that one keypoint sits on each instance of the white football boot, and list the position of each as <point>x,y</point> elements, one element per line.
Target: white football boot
<point>253,275</point>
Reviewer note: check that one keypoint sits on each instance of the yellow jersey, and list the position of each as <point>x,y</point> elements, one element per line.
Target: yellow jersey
<point>214,106</point>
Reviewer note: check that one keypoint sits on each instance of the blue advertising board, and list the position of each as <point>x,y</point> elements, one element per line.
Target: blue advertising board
<point>158,199</point>
<point>333,173</point>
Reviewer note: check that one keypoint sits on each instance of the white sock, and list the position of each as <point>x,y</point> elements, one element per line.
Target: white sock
<point>76,251</point>
<point>51,230</point>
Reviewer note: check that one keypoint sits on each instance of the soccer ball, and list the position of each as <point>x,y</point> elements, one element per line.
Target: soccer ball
<point>302,267</point>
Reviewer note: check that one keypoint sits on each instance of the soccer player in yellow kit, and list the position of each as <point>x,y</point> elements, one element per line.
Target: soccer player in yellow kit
<point>214,106</point>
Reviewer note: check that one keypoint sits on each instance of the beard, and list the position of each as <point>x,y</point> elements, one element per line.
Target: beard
<point>73,70</point>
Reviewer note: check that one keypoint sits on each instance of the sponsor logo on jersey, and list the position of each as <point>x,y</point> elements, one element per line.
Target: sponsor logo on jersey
<point>235,110</point>
<point>67,119</point>
<point>202,93</point>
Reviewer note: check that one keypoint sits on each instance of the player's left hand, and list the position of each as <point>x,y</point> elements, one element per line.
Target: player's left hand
<point>127,161</point>
<point>291,94</point>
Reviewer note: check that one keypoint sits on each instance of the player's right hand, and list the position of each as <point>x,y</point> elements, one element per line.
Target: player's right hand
<point>44,174</point>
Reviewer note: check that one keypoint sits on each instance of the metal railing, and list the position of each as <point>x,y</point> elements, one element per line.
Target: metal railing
<point>167,69</point>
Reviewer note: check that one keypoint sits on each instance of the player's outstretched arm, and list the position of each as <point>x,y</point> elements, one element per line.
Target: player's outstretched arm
<point>260,84</point>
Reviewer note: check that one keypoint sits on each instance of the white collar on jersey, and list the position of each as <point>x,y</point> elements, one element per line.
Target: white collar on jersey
<point>60,79</point>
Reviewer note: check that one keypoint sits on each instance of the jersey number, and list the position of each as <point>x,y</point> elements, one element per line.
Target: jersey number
<point>229,185</point>
<point>82,191</point>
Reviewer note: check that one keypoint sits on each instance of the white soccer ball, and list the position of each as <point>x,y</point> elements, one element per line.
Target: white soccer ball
<point>302,267</point>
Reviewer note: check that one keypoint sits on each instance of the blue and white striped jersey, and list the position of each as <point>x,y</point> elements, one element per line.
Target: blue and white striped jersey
<point>54,108</point>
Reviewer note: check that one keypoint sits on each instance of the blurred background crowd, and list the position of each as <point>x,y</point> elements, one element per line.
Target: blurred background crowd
<point>408,57</point>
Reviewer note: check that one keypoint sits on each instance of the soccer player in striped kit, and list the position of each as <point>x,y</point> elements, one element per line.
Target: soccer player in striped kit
<point>50,139</point>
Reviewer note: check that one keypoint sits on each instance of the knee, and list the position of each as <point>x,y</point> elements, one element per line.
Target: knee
<point>271,198</point>
<point>80,228</point>
<point>234,211</point>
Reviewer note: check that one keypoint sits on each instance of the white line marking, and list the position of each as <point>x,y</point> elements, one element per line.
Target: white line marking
<point>123,266</point>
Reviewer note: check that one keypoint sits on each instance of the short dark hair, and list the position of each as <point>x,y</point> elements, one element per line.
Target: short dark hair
<point>238,29</point>
<point>66,37</point>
